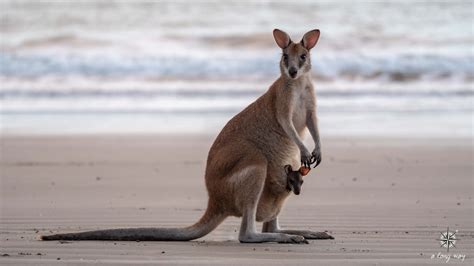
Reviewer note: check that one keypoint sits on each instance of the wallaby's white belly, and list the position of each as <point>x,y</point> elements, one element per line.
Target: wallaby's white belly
<point>299,114</point>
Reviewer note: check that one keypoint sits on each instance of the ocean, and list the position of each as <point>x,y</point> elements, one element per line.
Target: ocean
<point>380,68</point>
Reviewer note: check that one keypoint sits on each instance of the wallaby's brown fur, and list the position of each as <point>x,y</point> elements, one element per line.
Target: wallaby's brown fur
<point>245,175</point>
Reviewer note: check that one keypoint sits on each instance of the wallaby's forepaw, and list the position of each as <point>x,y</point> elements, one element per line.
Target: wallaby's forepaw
<point>294,239</point>
<point>305,158</point>
<point>316,157</point>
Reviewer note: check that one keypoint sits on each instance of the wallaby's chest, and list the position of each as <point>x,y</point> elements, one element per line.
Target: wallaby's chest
<point>301,98</point>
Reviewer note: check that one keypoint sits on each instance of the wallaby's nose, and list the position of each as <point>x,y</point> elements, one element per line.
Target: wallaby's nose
<point>293,71</point>
<point>297,191</point>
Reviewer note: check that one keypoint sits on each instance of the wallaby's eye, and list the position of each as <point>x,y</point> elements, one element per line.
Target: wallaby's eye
<point>303,57</point>
<point>285,56</point>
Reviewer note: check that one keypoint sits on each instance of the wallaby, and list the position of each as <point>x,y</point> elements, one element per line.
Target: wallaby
<point>245,174</point>
<point>294,179</point>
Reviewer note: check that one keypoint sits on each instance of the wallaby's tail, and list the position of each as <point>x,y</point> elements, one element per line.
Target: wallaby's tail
<point>208,222</point>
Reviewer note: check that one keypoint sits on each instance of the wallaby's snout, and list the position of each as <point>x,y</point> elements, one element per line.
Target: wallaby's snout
<point>297,190</point>
<point>292,71</point>
<point>295,60</point>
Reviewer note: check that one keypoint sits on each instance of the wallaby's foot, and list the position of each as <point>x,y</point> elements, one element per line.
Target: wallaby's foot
<point>308,234</point>
<point>272,237</point>
<point>294,239</point>
<point>273,226</point>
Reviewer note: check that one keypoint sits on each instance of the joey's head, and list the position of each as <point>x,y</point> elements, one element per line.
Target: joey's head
<point>294,180</point>
<point>295,59</point>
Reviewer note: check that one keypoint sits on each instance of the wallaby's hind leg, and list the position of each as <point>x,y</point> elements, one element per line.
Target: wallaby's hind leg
<point>274,227</point>
<point>248,230</point>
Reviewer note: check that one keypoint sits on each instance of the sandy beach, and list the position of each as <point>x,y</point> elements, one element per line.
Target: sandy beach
<point>386,201</point>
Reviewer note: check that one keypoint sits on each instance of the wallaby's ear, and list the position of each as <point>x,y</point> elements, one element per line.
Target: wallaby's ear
<point>281,38</point>
<point>288,169</point>
<point>310,39</point>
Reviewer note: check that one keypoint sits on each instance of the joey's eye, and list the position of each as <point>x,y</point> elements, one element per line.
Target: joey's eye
<point>302,181</point>
<point>303,56</point>
<point>285,56</point>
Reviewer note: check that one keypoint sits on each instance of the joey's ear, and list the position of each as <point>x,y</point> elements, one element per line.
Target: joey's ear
<point>288,169</point>
<point>281,38</point>
<point>310,39</point>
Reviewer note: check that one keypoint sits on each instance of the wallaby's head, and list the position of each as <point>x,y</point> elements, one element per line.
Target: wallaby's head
<point>295,60</point>
<point>294,180</point>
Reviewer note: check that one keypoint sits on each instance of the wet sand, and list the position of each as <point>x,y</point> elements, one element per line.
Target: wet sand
<point>384,200</point>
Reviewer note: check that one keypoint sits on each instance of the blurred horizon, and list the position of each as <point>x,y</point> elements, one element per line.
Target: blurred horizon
<point>384,68</point>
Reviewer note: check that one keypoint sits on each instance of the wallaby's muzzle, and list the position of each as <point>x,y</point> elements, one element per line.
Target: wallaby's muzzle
<point>292,71</point>
<point>297,191</point>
